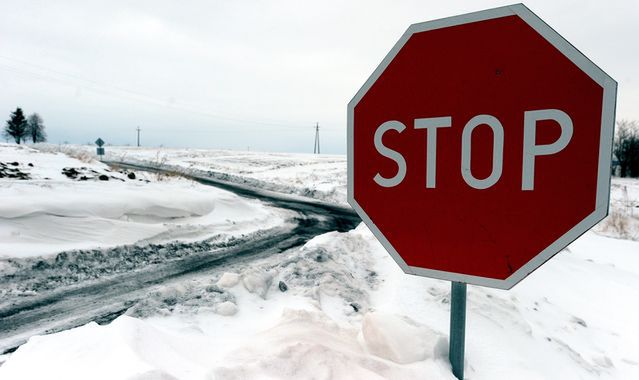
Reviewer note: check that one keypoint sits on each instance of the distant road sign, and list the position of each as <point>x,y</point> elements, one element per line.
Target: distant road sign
<point>99,142</point>
<point>480,147</point>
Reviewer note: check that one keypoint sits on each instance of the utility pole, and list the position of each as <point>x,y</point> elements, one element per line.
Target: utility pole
<point>138,129</point>
<point>316,148</point>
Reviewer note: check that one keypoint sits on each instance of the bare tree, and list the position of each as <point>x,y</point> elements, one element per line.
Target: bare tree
<point>626,147</point>
<point>16,126</point>
<point>35,128</point>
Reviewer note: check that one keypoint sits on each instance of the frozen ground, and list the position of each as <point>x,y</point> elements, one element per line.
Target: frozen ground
<point>49,211</point>
<point>340,308</point>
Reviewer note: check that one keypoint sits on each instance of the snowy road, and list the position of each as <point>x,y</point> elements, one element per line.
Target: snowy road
<point>104,299</point>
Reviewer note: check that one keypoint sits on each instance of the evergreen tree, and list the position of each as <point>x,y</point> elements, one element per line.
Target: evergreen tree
<point>16,126</point>
<point>35,128</point>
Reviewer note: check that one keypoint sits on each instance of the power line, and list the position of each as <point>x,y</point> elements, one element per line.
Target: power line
<point>123,93</point>
<point>316,148</point>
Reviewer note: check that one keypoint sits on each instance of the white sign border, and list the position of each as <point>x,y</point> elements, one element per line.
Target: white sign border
<point>609,86</point>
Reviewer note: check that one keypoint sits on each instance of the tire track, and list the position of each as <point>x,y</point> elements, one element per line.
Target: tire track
<point>105,299</point>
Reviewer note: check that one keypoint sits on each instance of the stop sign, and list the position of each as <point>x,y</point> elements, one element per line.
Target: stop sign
<point>481,146</point>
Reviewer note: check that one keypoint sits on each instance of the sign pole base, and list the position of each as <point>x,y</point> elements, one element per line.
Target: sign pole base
<point>457,328</point>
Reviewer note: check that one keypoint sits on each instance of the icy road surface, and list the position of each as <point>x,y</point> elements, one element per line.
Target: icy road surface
<point>76,303</point>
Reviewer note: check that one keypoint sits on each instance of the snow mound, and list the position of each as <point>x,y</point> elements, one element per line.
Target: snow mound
<point>110,202</point>
<point>308,345</point>
<point>399,338</point>
<point>302,344</point>
<point>542,329</point>
<point>56,207</point>
<point>127,348</point>
<point>335,269</point>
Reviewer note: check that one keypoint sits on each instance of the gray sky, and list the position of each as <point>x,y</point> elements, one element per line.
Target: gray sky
<point>238,74</point>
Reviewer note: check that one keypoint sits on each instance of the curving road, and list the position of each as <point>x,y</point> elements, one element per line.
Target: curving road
<point>105,299</point>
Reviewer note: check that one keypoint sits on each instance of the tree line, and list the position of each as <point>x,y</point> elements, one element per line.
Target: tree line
<point>21,128</point>
<point>626,148</point>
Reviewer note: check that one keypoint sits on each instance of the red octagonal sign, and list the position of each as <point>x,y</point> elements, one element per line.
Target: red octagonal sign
<point>480,147</point>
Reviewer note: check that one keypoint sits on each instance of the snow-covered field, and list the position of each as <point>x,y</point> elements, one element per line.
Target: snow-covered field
<point>317,176</point>
<point>340,308</point>
<point>320,177</point>
<point>52,212</point>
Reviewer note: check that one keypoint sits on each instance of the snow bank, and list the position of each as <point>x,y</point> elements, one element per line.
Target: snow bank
<point>301,344</point>
<point>127,348</point>
<point>401,339</point>
<point>53,211</point>
<point>308,345</point>
<point>570,319</point>
<point>110,201</point>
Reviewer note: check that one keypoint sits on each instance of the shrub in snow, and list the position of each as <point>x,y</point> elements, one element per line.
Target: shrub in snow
<point>226,308</point>
<point>258,282</point>
<point>10,170</point>
<point>399,338</point>
<point>620,224</point>
<point>228,280</point>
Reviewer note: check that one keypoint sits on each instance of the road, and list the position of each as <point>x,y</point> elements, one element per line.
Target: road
<point>104,299</point>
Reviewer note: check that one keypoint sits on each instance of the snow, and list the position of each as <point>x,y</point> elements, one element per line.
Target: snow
<point>51,212</point>
<point>228,280</point>
<point>571,319</point>
<point>401,339</point>
<point>258,282</point>
<point>126,348</point>
<point>340,308</point>
<point>321,177</point>
<point>226,308</point>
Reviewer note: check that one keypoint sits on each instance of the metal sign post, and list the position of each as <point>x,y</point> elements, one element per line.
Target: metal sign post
<point>457,328</point>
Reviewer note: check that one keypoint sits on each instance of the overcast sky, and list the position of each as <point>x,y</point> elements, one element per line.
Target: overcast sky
<point>240,74</point>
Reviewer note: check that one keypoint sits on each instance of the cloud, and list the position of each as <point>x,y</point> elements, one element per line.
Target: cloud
<point>241,73</point>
